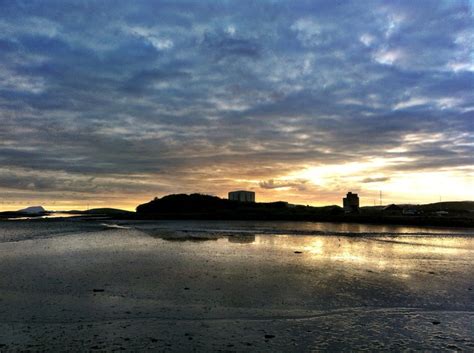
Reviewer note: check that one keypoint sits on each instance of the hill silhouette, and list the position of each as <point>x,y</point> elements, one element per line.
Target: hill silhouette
<point>100,211</point>
<point>198,206</point>
<point>450,206</point>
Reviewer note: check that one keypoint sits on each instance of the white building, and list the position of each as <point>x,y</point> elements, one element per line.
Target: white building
<point>242,196</point>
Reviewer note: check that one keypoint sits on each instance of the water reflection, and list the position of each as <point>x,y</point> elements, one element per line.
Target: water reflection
<point>242,239</point>
<point>197,235</point>
<point>180,236</point>
<point>51,215</point>
<point>292,228</point>
<point>398,255</point>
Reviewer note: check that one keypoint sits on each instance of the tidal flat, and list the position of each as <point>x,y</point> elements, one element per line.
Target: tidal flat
<point>76,285</point>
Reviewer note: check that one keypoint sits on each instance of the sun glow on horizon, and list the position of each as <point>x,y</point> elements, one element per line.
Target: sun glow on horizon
<point>376,175</point>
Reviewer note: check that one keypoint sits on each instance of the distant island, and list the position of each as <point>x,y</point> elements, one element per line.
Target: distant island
<point>30,212</point>
<point>206,207</point>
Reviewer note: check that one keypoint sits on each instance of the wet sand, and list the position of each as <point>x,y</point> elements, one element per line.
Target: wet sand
<point>234,286</point>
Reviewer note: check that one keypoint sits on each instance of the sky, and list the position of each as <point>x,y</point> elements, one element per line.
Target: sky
<point>111,103</point>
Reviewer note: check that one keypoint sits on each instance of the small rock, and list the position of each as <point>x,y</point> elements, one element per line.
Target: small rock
<point>436,322</point>
<point>98,290</point>
<point>269,336</point>
<point>298,252</point>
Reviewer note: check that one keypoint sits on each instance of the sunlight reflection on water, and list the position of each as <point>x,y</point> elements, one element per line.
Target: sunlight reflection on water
<point>397,255</point>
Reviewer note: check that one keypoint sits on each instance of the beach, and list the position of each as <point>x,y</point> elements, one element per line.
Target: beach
<point>75,285</point>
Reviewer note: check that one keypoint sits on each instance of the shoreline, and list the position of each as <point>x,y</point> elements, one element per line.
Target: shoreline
<point>423,221</point>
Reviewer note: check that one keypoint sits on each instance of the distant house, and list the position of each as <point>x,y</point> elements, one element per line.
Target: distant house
<point>351,203</point>
<point>411,212</point>
<point>393,209</point>
<point>441,213</point>
<point>242,196</point>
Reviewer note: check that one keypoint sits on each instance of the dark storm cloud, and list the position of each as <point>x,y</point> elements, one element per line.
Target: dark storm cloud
<point>160,87</point>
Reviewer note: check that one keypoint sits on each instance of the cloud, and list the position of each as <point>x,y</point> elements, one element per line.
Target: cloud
<point>153,78</point>
<point>309,32</point>
<point>280,184</point>
<point>206,96</point>
<point>227,45</point>
<point>152,37</point>
<point>375,180</point>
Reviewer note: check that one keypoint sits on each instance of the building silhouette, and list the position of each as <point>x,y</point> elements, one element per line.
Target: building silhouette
<point>351,203</point>
<point>242,196</point>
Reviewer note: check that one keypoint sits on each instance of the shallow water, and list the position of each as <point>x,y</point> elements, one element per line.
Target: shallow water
<point>239,286</point>
<point>292,228</point>
<point>52,215</point>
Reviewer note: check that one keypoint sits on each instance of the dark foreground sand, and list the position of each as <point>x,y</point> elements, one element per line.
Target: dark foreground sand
<point>200,286</point>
